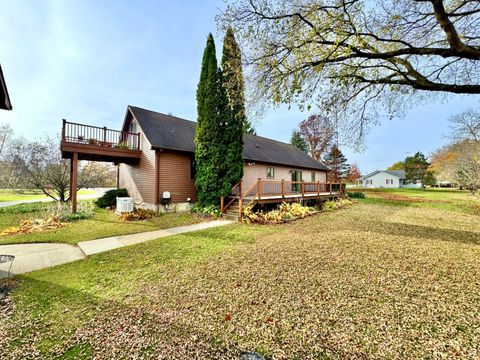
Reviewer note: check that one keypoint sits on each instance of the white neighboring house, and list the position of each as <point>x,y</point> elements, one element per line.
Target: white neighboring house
<point>386,179</point>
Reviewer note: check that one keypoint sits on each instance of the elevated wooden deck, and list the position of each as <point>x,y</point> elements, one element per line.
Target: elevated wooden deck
<point>276,191</point>
<point>99,143</point>
<point>85,142</point>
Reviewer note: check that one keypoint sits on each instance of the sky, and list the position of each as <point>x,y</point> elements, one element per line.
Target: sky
<point>85,61</point>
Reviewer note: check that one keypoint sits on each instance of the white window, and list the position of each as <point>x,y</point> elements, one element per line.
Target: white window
<point>270,173</point>
<point>313,176</point>
<point>389,181</point>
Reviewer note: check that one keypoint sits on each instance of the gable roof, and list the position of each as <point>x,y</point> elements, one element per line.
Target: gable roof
<point>173,133</point>
<point>397,173</point>
<point>4,98</point>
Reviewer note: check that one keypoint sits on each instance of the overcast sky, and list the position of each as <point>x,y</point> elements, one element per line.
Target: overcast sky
<point>87,60</point>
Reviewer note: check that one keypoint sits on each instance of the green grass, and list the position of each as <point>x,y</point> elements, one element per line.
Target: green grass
<point>374,280</point>
<point>28,194</point>
<point>447,199</point>
<point>103,224</point>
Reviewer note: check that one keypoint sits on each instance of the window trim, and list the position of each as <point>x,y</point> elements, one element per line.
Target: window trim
<point>272,172</point>
<point>313,176</point>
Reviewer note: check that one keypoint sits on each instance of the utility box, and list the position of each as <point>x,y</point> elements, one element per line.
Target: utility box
<point>124,204</point>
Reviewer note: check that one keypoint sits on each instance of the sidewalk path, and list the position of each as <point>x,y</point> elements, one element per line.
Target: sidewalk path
<point>98,192</point>
<point>29,257</point>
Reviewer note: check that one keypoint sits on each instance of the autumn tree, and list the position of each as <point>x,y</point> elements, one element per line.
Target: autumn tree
<point>298,141</point>
<point>337,162</point>
<point>399,165</point>
<point>318,132</point>
<point>353,174</point>
<point>364,59</point>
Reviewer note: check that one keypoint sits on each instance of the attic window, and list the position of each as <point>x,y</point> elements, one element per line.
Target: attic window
<point>133,127</point>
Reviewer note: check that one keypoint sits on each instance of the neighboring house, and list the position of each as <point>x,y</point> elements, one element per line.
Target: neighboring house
<point>5,103</point>
<point>386,179</point>
<point>167,161</point>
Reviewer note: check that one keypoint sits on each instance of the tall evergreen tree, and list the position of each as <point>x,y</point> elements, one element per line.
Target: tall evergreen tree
<point>235,122</point>
<point>298,141</point>
<point>417,170</point>
<point>337,162</point>
<point>209,137</point>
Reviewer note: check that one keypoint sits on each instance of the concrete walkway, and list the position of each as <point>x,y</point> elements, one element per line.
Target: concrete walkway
<point>30,257</point>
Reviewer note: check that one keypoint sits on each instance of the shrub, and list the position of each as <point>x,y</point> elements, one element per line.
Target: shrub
<point>139,214</point>
<point>285,212</point>
<point>213,210</point>
<point>85,210</point>
<point>329,206</point>
<point>356,195</point>
<point>109,199</point>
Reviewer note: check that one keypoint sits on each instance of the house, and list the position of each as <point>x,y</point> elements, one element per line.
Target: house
<point>5,103</point>
<point>155,157</point>
<point>386,179</point>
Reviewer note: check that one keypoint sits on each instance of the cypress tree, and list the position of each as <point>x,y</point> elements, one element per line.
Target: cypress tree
<point>236,122</point>
<point>209,144</point>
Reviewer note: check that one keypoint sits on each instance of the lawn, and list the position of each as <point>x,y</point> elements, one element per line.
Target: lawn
<point>28,194</point>
<point>376,280</point>
<point>103,224</point>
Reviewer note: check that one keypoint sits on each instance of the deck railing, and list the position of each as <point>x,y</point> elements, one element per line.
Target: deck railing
<point>99,136</point>
<point>279,189</point>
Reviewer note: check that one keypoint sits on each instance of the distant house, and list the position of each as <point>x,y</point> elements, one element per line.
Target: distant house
<point>386,179</point>
<point>5,103</point>
<point>155,157</point>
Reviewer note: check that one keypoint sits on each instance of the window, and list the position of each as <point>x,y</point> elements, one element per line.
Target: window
<point>192,169</point>
<point>313,176</point>
<point>133,127</point>
<point>270,173</point>
<point>368,182</point>
<point>389,181</point>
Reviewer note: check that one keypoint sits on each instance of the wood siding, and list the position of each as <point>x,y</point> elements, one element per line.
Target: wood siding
<point>139,179</point>
<point>259,170</point>
<point>174,176</point>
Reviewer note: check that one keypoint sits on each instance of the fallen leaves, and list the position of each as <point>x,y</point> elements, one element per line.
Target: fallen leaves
<point>34,225</point>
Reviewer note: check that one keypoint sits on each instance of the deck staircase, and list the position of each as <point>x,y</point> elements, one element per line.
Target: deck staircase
<point>233,211</point>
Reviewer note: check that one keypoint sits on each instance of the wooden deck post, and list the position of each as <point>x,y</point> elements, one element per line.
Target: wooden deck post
<point>283,189</point>
<point>259,188</point>
<point>240,188</point>
<point>303,188</point>
<point>63,129</point>
<point>138,142</point>
<point>330,188</point>
<point>240,209</point>
<point>318,188</point>
<point>73,181</point>
<point>104,135</point>
<point>222,203</point>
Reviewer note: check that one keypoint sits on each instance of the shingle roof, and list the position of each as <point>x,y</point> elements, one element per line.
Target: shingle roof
<point>170,132</point>
<point>4,98</point>
<point>398,173</point>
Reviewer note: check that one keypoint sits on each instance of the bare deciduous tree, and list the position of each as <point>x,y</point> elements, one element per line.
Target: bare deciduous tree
<point>367,59</point>
<point>40,166</point>
<point>465,126</point>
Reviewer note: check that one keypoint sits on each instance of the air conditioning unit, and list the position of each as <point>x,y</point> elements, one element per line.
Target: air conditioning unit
<point>124,204</point>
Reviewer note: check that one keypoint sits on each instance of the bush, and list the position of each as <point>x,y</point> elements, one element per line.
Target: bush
<point>109,199</point>
<point>356,195</point>
<point>139,214</point>
<point>62,211</point>
<point>213,210</point>
<point>337,204</point>
<point>285,212</point>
